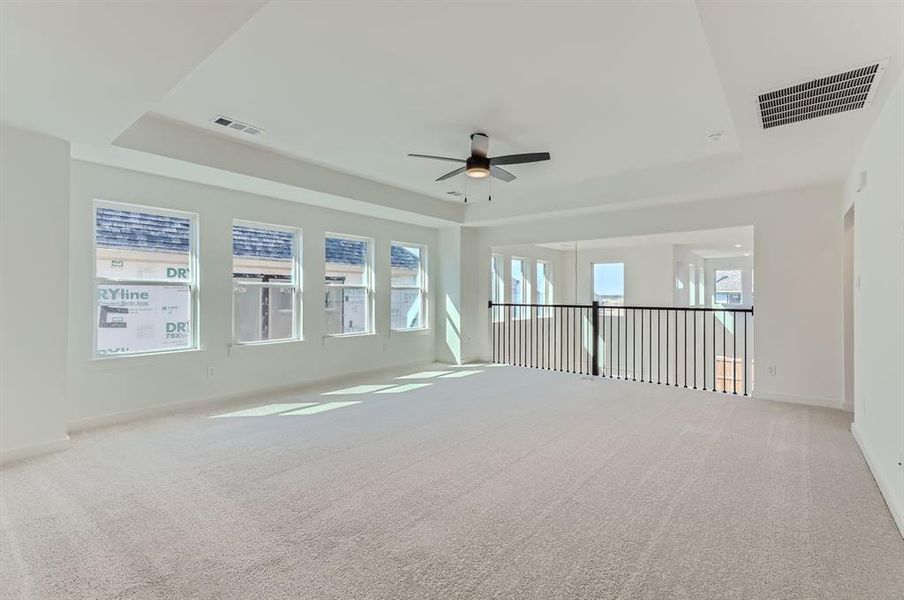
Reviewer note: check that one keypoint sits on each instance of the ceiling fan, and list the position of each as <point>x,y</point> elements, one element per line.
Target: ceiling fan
<point>479,165</point>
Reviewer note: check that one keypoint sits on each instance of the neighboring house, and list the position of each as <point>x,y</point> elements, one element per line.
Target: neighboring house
<point>136,245</point>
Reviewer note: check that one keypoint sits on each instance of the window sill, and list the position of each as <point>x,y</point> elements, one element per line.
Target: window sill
<point>266,343</point>
<point>242,346</point>
<point>349,335</point>
<point>126,361</point>
<point>410,330</point>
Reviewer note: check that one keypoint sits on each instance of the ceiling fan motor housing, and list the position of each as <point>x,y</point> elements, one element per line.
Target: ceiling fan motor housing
<point>477,166</point>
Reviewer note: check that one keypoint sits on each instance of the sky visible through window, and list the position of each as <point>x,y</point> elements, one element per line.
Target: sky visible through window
<point>609,283</point>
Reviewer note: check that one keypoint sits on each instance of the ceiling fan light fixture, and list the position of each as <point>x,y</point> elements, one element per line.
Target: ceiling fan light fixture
<point>477,167</point>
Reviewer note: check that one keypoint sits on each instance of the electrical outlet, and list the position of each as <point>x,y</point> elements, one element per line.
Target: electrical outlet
<point>211,371</point>
<point>770,370</point>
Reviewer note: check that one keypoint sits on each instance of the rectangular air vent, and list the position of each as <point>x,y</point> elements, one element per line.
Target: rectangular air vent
<point>236,125</point>
<point>820,97</point>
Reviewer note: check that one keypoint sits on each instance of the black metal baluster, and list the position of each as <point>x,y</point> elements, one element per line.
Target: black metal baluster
<point>611,355</point>
<point>658,346</point>
<point>734,353</point>
<point>667,313</point>
<point>676,348</point>
<point>745,353</point>
<point>703,323</point>
<point>684,347</point>
<point>715,387</point>
<point>641,345</point>
<point>724,387</point>
<point>618,350</point>
<point>695,348</point>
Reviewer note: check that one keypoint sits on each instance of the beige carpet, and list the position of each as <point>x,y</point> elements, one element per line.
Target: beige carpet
<point>507,483</point>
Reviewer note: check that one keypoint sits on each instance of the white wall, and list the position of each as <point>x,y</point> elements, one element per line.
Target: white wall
<point>34,229</point>
<point>879,300</point>
<point>648,273</point>
<point>798,241</point>
<point>101,390</point>
<point>685,260</point>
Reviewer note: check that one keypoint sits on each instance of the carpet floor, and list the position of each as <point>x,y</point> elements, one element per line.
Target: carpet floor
<point>489,482</point>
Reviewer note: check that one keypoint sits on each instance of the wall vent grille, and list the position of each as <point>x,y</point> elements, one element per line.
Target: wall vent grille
<point>850,90</point>
<point>236,125</point>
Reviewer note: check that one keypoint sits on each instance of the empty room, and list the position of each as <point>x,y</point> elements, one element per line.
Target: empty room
<point>579,300</point>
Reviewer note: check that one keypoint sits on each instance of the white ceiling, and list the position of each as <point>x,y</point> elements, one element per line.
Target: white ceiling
<point>709,243</point>
<point>621,93</point>
<point>605,87</point>
<point>84,71</point>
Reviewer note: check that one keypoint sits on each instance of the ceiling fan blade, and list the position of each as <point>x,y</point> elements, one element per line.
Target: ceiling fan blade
<point>458,160</point>
<point>500,173</point>
<point>517,159</point>
<point>451,174</point>
<point>480,144</point>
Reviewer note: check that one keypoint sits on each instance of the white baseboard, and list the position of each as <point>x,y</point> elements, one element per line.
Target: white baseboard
<point>175,407</point>
<point>894,504</point>
<point>806,400</point>
<point>847,406</point>
<point>23,452</point>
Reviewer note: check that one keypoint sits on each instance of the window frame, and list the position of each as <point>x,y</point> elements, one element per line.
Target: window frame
<point>370,275</point>
<point>549,288</point>
<point>593,282</point>
<point>296,283</point>
<point>193,283</point>
<point>517,311</point>
<point>422,288</point>
<point>740,292</point>
<point>497,285</point>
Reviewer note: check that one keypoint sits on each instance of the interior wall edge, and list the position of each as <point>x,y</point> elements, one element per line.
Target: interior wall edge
<point>883,481</point>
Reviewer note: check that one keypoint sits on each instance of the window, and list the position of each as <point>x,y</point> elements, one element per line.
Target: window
<point>692,285</point>
<point>144,279</point>
<point>349,287</point>
<point>265,283</point>
<point>544,285</point>
<point>497,279</point>
<point>728,286</point>
<point>519,287</point>
<point>408,297</point>
<point>609,283</point>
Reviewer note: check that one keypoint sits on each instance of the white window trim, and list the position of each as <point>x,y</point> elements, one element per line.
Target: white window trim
<point>368,286</point>
<point>549,288</point>
<point>422,276</point>
<point>497,275</point>
<point>193,283</point>
<point>593,281</point>
<point>296,283</point>
<point>526,287</point>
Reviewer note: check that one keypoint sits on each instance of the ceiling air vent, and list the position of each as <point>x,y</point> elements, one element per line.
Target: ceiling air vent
<point>820,97</point>
<point>236,125</point>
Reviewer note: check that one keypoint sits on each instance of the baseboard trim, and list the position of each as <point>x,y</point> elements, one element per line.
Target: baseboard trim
<point>847,406</point>
<point>805,400</point>
<point>263,393</point>
<point>25,452</point>
<point>885,488</point>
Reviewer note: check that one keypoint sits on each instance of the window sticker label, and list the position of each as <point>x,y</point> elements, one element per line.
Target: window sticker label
<point>136,318</point>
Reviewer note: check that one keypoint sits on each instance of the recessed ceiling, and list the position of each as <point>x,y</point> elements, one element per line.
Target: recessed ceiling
<point>605,87</point>
<point>624,95</point>
<point>724,242</point>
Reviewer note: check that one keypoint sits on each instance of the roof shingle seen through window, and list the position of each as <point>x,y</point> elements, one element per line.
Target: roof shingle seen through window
<point>133,230</point>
